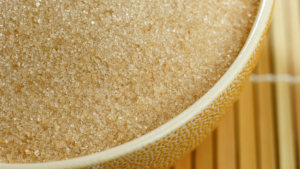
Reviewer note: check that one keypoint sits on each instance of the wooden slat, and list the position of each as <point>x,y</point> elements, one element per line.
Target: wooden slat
<point>286,138</point>
<point>246,129</point>
<point>226,146</point>
<point>184,163</point>
<point>294,57</point>
<point>297,113</point>
<point>293,18</point>
<point>204,154</point>
<point>265,115</point>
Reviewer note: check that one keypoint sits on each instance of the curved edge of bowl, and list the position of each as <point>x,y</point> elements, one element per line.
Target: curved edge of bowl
<point>258,29</point>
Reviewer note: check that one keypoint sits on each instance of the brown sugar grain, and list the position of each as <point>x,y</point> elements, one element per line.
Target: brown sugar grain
<point>79,77</point>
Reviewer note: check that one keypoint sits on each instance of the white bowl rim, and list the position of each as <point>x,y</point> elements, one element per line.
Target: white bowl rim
<point>254,37</point>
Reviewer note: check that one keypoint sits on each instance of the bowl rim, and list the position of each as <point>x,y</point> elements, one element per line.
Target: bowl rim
<point>249,47</point>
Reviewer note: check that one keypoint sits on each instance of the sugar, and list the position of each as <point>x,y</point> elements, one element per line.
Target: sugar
<point>79,78</point>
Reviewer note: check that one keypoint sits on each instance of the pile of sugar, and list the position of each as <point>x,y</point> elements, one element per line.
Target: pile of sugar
<point>79,77</point>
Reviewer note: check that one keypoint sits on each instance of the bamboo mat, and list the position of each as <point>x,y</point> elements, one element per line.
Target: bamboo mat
<point>262,130</point>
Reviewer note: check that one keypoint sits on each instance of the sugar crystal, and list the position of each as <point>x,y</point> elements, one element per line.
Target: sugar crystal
<point>79,77</point>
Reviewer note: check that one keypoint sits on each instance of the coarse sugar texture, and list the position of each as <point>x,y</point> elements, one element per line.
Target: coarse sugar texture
<point>79,77</point>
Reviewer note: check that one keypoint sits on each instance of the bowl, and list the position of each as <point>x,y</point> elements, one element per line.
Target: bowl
<point>163,146</point>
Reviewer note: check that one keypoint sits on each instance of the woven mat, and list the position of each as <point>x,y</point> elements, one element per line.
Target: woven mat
<point>263,128</point>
